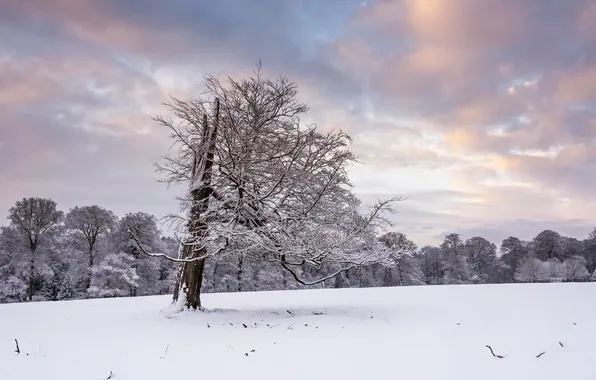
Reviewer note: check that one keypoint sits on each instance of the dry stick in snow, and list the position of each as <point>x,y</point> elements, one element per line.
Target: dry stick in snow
<point>110,376</point>
<point>540,354</point>
<point>18,350</point>
<point>165,352</point>
<point>561,344</point>
<point>493,353</point>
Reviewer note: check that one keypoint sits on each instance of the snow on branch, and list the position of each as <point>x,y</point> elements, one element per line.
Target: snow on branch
<point>162,255</point>
<point>314,282</point>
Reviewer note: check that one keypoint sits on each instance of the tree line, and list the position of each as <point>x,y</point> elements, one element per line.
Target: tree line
<point>88,252</point>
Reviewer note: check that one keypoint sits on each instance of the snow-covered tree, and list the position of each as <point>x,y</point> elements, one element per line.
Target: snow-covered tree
<point>433,264</point>
<point>482,258</point>
<point>167,268</point>
<point>575,269</point>
<point>530,270</point>
<point>590,251</point>
<point>456,268</point>
<point>407,270</point>
<point>547,245</point>
<point>33,220</point>
<point>552,270</point>
<point>144,227</point>
<point>570,247</point>
<point>513,251</point>
<point>263,184</point>
<point>92,222</point>
<point>114,276</point>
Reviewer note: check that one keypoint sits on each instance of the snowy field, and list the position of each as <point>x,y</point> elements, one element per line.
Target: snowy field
<point>391,333</point>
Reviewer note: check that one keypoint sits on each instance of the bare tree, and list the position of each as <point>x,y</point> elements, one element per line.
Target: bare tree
<point>547,245</point>
<point>482,258</point>
<point>530,270</point>
<point>34,219</point>
<point>407,269</point>
<point>92,222</point>
<point>590,251</point>
<point>263,184</point>
<point>456,268</point>
<point>575,269</point>
<point>513,252</point>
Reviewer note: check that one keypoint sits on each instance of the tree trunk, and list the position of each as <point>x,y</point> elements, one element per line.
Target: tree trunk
<point>31,274</point>
<point>88,284</point>
<point>191,279</point>
<point>239,274</point>
<point>190,276</point>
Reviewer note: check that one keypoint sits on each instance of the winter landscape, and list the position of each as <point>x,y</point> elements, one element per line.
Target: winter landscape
<point>415,332</point>
<point>307,189</point>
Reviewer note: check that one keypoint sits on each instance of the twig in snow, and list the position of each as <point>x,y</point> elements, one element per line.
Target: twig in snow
<point>110,376</point>
<point>561,344</point>
<point>493,353</point>
<point>290,327</point>
<point>491,350</point>
<point>165,352</point>
<point>575,323</point>
<point>273,326</point>
<point>18,350</point>
<point>540,354</point>
<point>245,326</point>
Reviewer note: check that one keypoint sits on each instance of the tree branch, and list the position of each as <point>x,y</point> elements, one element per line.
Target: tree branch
<point>163,255</point>
<point>299,280</point>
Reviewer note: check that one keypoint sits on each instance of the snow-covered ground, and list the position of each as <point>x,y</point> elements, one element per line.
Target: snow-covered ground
<point>438,332</point>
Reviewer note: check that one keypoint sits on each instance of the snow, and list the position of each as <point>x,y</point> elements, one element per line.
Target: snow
<point>433,332</point>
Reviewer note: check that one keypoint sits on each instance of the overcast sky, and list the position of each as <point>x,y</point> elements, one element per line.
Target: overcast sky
<point>481,112</point>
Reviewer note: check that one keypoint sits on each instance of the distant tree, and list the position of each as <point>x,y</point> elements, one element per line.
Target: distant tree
<point>457,270</point>
<point>431,259</point>
<point>575,269</point>
<point>114,276</point>
<point>513,251</point>
<point>406,270</point>
<point>92,222</point>
<point>168,268</point>
<point>547,245</point>
<point>144,227</point>
<point>590,251</point>
<point>570,247</point>
<point>34,219</point>
<point>398,242</point>
<point>530,270</point>
<point>13,288</point>
<point>553,269</point>
<point>482,258</point>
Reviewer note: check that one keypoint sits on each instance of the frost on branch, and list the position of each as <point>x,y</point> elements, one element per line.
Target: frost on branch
<point>262,184</point>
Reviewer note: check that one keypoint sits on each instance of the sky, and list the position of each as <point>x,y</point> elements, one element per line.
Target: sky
<point>482,113</point>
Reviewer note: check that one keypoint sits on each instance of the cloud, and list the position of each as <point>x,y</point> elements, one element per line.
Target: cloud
<point>487,105</point>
